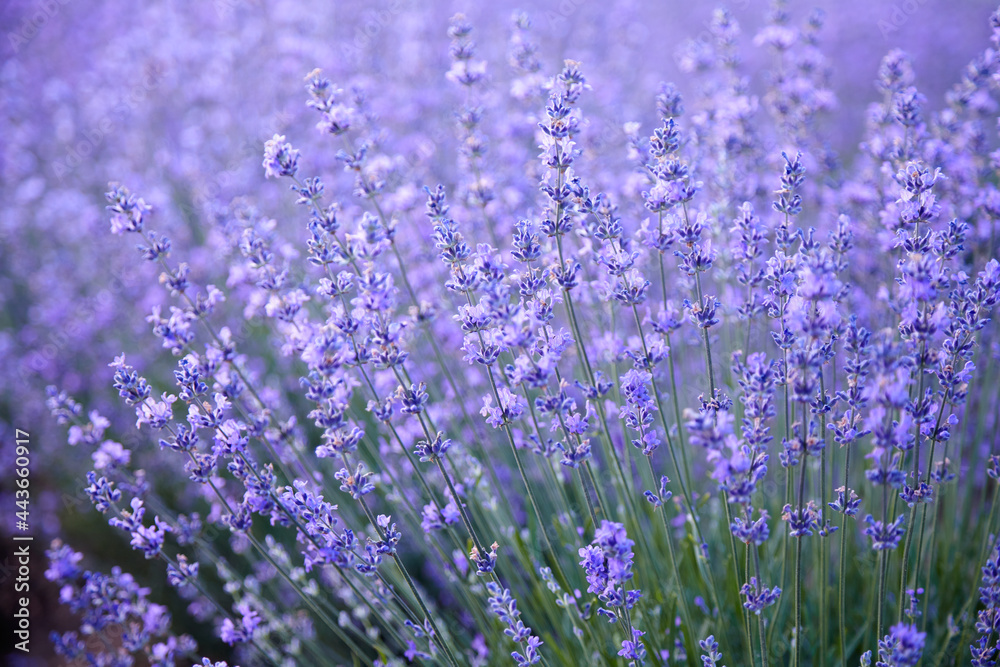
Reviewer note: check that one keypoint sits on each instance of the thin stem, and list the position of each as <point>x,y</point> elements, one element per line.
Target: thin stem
<point>745,613</point>
<point>797,655</point>
<point>760,619</point>
<point>677,416</point>
<point>882,566</point>
<point>708,345</point>
<point>788,469</point>
<point>687,619</point>
<point>842,593</point>
<point>905,563</point>
<point>823,553</point>
<point>441,641</point>
<point>527,487</point>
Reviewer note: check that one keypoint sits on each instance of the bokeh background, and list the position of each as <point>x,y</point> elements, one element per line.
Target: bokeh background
<point>176,99</point>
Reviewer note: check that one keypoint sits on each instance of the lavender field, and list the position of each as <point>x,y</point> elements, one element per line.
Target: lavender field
<point>563,333</point>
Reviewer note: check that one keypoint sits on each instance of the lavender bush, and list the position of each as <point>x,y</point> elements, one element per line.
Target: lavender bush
<point>511,363</point>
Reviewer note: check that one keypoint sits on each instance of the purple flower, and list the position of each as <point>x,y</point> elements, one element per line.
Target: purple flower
<point>485,562</point>
<point>633,649</point>
<point>101,492</point>
<point>243,630</point>
<point>511,407</point>
<point>184,573</point>
<point>62,562</point>
<point>505,607</point>
<point>710,647</point>
<point>758,600</point>
<point>608,563</point>
<point>434,449</point>
<point>902,647</point>
<point>751,531</point>
<point>984,650</point>
<point>127,210</point>
<point>638,410</point>
<point>884,535</point>
<point>107,604</point>
<point>802,521</point>
<point>357,483</point>
<point>847,502</point>
<point>280,159</point>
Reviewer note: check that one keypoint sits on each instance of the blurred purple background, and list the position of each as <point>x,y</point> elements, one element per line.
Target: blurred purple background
<point>177,98</point>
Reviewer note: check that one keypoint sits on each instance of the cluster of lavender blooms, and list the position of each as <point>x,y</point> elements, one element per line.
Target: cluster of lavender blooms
<point>514,403</point>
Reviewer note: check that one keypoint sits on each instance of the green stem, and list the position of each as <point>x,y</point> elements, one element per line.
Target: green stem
<point>905,563</point>
<point>687,619</point>
<point>823,552</point>
<point>760,619</point>
<point>677,417</point>
<point>842,592</point>
<point>744,613</point>
<point>531,496</point>
<point>882,567</point>
<point>797,655</point>
<point>441,641</point>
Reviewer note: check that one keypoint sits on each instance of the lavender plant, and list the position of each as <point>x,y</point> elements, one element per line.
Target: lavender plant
<point>456,380</point>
